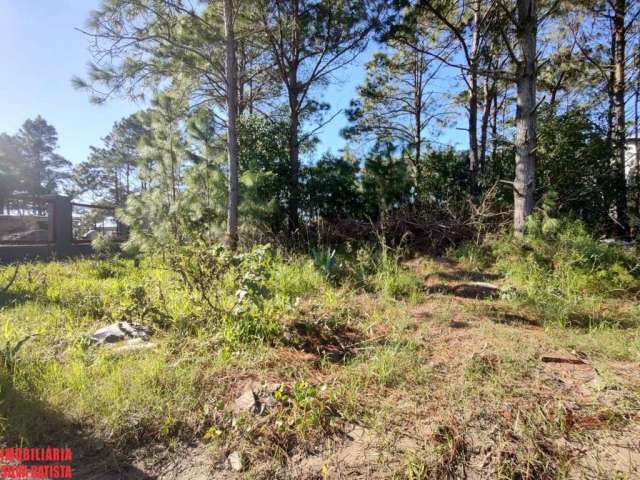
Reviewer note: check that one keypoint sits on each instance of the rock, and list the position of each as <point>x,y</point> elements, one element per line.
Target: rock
<point>618,242</point>
<point>234,460</point>
<point>271,388</point>
<point>268,402</point>
<point>477,290</point>
<point>117,332</point>
<point>257,398</point>
<point>247,402</point>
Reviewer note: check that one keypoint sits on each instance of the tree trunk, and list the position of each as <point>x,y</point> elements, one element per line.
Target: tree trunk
<point>232,117</point>
<point>473,131</point>
<point>484,122</point>
<point>526,141</point>
<point>117,187</point>
<point>473,102</point>
<point>636,145</point>
<point>294,154</point>
<point>610,87</point>
<point>418,152</point>
<point>417,112</point>
<point>619,126</point>
<point>294,127</point>
<point>494,127</point>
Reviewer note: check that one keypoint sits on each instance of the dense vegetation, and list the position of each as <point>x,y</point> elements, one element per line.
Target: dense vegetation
<point>343,334</point>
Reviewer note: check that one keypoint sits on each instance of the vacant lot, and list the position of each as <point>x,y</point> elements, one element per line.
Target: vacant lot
<point>359,365</point>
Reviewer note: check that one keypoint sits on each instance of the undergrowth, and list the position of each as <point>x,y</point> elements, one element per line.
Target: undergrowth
<point>568,277</point>
<point>333,328</point>
<point>208,310</point>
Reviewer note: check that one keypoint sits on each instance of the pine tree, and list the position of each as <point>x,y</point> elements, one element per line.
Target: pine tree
<point>43,170</point>
<point>309,40</point>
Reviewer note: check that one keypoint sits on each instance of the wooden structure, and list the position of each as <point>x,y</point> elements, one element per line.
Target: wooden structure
<point>60,242</point>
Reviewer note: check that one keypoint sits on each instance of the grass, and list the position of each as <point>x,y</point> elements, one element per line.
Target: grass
<point>570,278</point>
<point>441,385</point>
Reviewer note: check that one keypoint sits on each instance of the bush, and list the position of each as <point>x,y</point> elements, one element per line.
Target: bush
<point>104,245</point>
<point>472,256</point>
<point>567,275</point>
<point>230,290</point>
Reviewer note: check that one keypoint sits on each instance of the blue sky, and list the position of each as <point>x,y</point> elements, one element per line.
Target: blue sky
<point>41,51</point>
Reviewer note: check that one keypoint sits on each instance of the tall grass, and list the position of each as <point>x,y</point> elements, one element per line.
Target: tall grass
<point>569,277</point>
<point>202,321</point>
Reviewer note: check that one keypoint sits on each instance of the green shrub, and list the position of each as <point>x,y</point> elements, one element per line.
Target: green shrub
<point>395,281</point>
<point>230,290</point>
<point>104,245</point>
<point>472,256</point>
<point>566,274</point>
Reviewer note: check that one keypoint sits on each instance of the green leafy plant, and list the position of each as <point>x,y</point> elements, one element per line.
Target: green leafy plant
<point>325,261</point>
<point>567,275</point>
<point>231,290</point>
<point>104,245</point>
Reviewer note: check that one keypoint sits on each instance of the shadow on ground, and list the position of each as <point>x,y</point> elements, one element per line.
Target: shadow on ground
<point>466,290</point>
<point>29,422</point>
<point>507,317</point>
<point>464,275</point>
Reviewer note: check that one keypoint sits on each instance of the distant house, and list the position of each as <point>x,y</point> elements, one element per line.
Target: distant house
<point>632,156</point>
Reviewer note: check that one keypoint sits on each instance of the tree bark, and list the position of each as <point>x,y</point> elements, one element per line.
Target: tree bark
<point>484,122</point>
<point>619,126</point>
<point>636,145</point>
<point>231,64</point>
<point>294,154</point>
<point>473,102</point>
<point>473,130</point>
<point>294,127</point>
<point>526,122</point>
<point>417,105</point>
<point>610,87</point>
<point>494,127</point>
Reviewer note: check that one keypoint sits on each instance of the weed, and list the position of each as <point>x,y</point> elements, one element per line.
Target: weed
<point>481,367</point>
<point>326,262</point>
<point>306,407</point>
<point>471,256</point>
<point>567,276</point>
<point>9,353</point>
<point>394,281</point>
<point>527,449</point>
<point>395,365</point>
<point>447,458</point>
